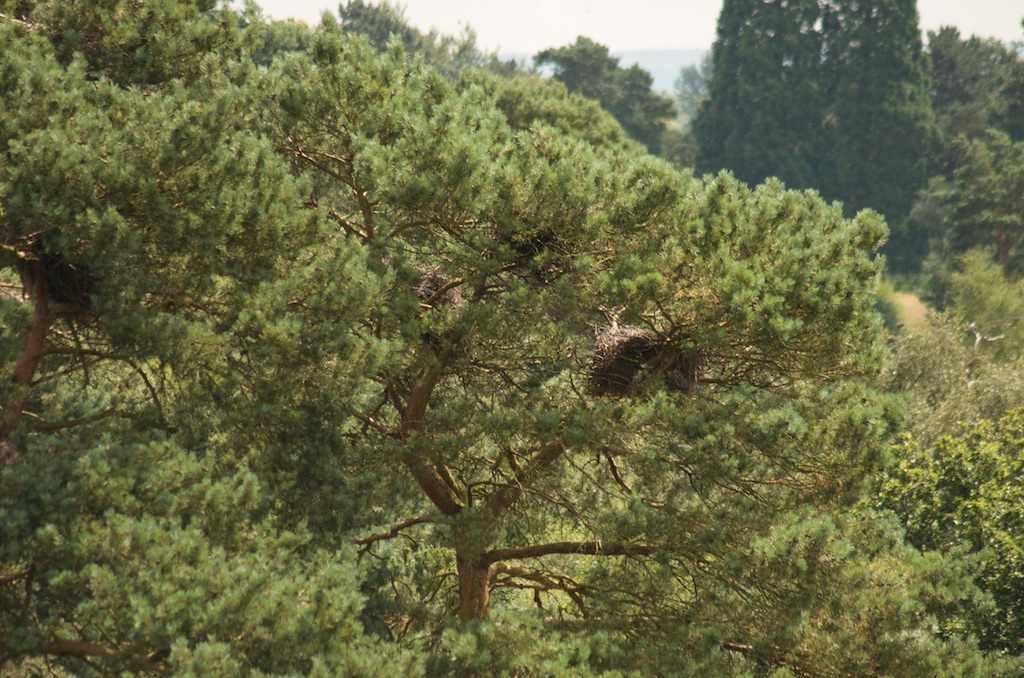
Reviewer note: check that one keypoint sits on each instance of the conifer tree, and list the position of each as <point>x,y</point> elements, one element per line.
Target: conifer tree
<point>825,95</point>
<point>325,365</point>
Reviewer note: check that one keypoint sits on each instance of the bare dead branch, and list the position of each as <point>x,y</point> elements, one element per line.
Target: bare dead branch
<point>15,576</point>
<point>395,529</point>
<point>587,548</point>
<point>71,423</point>
<point>29,26</point>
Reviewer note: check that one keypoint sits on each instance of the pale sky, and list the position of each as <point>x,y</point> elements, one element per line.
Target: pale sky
<point>528,26</point>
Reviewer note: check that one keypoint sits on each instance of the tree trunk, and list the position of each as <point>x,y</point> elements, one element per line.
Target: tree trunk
<point>474,589</point>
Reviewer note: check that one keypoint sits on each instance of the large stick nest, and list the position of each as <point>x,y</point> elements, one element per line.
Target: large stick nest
<point>435,288</point>
<point>68,286</point>
<point>626,358</point>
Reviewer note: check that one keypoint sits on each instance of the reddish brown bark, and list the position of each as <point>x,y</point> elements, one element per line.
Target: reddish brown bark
<point>438,490</point>
<point>474,588</point>
<point>25,368</point>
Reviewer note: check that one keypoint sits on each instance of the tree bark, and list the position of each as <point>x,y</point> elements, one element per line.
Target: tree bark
<point>25,368</point>
<point>474,587</point>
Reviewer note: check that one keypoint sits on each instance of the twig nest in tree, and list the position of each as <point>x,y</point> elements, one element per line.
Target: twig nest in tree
<point>434,288</point>
<point>68,286</point>
<point>437,290</point>
<point>626,357</point>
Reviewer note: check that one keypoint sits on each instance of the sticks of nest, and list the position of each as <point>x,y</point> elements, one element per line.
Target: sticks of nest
<point>628,358</point>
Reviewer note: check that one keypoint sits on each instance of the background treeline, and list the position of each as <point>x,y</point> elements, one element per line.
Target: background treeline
<point>356,350</point>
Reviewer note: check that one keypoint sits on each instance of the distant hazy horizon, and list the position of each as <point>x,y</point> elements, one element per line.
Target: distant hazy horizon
<point>663,64</point>
<point>528,26</point>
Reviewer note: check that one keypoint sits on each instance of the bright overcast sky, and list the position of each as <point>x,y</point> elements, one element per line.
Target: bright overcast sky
<point>528,26</point>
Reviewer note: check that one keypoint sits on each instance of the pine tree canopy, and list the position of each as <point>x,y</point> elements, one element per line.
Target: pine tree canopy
<point>340,366</point>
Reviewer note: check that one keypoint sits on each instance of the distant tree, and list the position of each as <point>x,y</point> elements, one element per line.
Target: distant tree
<point>528,100</point>
<point>765,112</point>
<point>884,127</point>
<point>691,87</point>
<point>1010,117</point>
<point>829,95</point>
<point>587,68</point>
<point>381,21</point>
<point>986,200</point>
<point>969,81</point>
<point>277,38</point>
<point>974,85</point>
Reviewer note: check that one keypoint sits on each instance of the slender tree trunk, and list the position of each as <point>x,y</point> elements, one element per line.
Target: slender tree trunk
<point>25,369</point>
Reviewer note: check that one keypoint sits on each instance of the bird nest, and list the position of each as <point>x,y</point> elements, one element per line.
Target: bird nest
<point>68,286</point>
<point>626,358</point>
<point>435,288</point>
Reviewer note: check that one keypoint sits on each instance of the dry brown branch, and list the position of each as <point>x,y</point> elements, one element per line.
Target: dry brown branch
<point>30,26</point>
<point>15,576</point>
<point>86,650</point>
<point>60,425</point>
<point>395,529</point>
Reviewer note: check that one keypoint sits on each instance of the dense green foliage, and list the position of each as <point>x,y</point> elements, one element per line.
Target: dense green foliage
<point>962,496</point>
<point>825,95</point>
<point>330,351</point>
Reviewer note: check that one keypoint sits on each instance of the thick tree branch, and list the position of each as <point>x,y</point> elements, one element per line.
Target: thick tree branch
<point>508,495</point>
<point>347,225</point>
<point>587,548</point>
<point>433,483</point>
<point>86,650</point>
<point>25,368</point>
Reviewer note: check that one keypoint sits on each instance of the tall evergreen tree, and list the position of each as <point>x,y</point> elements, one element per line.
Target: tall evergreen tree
<point>829,95</point>
<point>883,123</point>
<point>765,112</point>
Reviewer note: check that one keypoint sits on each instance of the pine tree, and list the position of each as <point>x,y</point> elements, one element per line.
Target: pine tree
<point>325,365</point>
